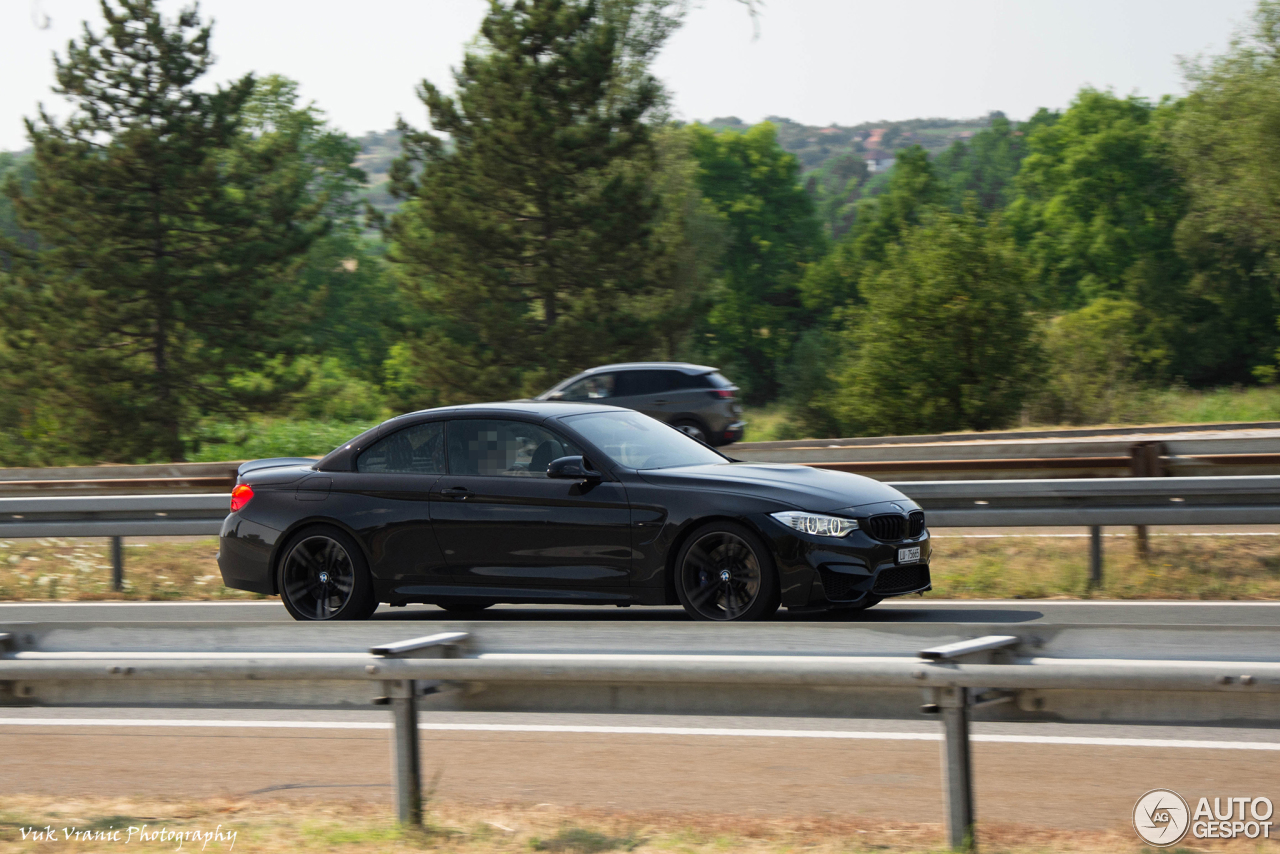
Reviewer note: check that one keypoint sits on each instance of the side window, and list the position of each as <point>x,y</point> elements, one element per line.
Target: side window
<point>492,448</point>
<point>633,383</point>
<point>414,450</point>
<point>595,387</point>
<point>683,382</point>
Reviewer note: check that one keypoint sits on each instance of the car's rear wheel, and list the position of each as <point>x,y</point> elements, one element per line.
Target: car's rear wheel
<point>323,576</point>
<point>463,607</point>
<point>725,573</point>
<point>691,428</point>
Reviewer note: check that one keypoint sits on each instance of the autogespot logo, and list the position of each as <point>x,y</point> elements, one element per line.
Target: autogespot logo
<point>1161,817</point>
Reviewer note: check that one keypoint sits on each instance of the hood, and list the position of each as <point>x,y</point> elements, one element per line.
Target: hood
<point>819,490</point>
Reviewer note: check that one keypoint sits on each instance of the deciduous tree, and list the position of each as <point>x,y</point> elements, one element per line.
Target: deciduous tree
<point>944,340</point>
<point>773,234</point>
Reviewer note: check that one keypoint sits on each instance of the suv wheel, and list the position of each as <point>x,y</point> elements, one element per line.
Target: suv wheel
<point>692,428</point>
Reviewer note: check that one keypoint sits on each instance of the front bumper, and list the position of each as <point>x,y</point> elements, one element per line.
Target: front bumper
<point>833,571</point>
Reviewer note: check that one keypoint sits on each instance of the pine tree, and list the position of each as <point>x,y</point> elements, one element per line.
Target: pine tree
<point>161,236</point>
<point>527,239</point>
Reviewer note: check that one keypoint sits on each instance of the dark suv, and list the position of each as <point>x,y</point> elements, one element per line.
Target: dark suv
<point>692,398</point>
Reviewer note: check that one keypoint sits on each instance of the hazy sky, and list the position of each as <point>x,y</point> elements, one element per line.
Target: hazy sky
<point>815,61</point>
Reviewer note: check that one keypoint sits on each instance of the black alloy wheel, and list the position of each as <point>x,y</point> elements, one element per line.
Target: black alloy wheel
<point>725,573</point>
<point>692,429</point>
<point>323,577</point>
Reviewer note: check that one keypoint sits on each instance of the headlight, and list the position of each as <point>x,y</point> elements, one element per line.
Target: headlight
<point>817,523</point>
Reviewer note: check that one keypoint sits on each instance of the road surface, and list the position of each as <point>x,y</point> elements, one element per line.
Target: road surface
<point>882,770</point>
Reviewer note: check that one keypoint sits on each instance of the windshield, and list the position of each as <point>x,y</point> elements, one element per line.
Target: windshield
<point>639,442</point>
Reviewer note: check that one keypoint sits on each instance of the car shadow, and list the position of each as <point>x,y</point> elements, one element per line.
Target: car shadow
<point>677,615</point>
<point>928,615</point>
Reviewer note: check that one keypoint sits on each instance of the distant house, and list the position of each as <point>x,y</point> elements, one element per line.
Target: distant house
<point>879,161</point>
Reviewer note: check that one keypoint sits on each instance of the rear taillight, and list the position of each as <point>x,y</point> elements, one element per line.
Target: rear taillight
<point>725,393</point>
<point>240,496</point>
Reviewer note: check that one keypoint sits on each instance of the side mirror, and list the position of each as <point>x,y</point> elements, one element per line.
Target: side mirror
<point>556,395</point>
<point>572,468</point>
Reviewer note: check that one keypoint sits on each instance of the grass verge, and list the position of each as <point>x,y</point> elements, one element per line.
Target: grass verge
<point>271,827</point>
<point>55,569</point>
<point>1177,566</point>
<point>1002,567</point>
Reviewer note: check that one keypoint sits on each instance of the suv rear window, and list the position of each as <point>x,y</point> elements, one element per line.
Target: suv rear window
<point>682,381</point>
<point>718,380</point>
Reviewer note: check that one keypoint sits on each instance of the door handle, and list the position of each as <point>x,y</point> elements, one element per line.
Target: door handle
<point>660,401</point>
<point>460,492</point>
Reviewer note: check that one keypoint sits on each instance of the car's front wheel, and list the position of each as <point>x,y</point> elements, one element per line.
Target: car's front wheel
<point>323,576</point>
<point>724,572</point>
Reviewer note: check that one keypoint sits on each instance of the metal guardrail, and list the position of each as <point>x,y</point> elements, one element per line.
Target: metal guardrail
<point>1186,449</point>
<point>158,478</point>
<point>1192,452</point>
<point>1088,502</point>
<point>1247,500</point>
<point>1034,435</point>
<point>955,678</point>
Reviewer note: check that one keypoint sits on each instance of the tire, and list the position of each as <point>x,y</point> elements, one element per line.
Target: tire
<point>725,573</point>
<point>463,607</point>
<point>693,429</point>
<point>323,577</point>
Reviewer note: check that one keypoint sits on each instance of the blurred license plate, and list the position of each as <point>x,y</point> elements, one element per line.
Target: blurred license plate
<point>909,555</point>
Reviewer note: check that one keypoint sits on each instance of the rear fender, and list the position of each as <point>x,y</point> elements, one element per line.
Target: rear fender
<point>277,553</point>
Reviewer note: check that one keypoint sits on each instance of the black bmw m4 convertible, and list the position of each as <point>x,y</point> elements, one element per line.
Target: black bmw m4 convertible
<point>564,503</point>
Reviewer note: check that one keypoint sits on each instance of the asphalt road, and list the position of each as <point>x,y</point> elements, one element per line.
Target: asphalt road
<point>1036,775</point>
<point>884,770</point>
<point>910,610</point>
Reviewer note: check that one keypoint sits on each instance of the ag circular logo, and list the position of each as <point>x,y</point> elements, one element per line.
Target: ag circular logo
<point>1161,817</point>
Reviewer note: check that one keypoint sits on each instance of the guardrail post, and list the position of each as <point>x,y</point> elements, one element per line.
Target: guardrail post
<point>957,767</point>
<point>408,765</point>
<point>402,696</point>
<point>117,563</point>
<point>1146,459</point>
<point>953,704</point>
<point>1095,556</point>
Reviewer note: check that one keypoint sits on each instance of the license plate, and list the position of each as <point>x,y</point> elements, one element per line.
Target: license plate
<point>911,555</point>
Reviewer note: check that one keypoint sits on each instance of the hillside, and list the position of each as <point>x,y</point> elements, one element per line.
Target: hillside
<point>814,146</point>
<point>819,149</point>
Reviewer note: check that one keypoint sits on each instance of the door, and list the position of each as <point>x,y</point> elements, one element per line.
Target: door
<point>644,391</point>
<point>387,500</point>
<point>500,520</point>
<point>682,395</point>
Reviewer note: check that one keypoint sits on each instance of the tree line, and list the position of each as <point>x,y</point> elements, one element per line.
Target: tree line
<point>173,257</point>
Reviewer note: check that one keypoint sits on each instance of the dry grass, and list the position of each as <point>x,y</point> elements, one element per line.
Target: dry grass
<point>1178,567</point>
<point>270,827</point>
<point>50,569</point>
